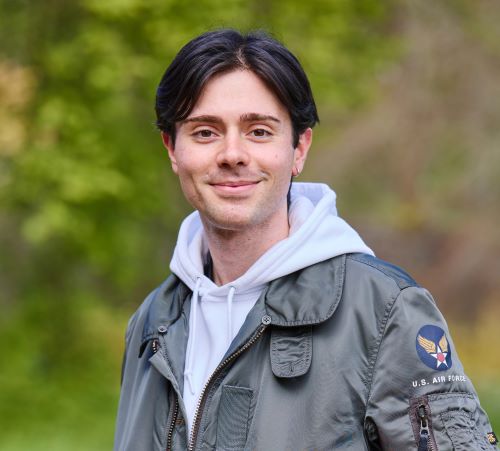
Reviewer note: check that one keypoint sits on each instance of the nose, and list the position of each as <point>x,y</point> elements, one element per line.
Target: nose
<point>233,151</point>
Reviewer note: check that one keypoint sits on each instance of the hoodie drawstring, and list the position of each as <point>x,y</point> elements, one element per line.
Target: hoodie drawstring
<point>229,305</point>
<point>188,372</point>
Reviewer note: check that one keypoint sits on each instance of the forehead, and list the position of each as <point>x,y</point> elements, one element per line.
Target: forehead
<point>237,93</point>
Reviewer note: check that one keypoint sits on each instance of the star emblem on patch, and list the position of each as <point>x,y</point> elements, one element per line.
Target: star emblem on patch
<point>433,347</point>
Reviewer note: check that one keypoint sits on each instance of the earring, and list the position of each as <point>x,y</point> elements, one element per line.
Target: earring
<point>295,171</point>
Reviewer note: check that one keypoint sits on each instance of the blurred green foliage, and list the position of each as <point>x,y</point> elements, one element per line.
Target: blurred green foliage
<point>89,208</point>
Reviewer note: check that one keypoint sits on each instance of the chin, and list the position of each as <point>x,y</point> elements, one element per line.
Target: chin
<point>230,224</point>
<point>232,220</point>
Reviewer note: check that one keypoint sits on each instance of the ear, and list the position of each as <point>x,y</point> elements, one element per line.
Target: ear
<point>169,145</point>
<point>300,152</point>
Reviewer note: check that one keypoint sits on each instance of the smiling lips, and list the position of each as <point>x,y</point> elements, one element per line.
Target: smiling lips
<point>235,187</point>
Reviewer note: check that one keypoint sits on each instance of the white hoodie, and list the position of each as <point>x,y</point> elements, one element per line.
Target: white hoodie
<point>218,312</point>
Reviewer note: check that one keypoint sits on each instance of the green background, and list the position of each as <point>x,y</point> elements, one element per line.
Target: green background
<point>409,138</point>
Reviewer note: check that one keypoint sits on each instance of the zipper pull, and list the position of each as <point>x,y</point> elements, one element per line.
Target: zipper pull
<point>423,443</point>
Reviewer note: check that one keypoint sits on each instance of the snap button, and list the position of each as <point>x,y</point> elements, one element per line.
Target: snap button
<point>266,319</point>
<point>162,329</point>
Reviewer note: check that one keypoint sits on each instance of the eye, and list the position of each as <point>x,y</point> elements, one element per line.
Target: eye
<point>205,133</point>
<point>260,132</point>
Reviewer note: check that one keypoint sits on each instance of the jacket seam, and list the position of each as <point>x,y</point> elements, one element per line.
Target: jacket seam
<point>456,394</point>
<point>373,360</point>
<point>397,280</point>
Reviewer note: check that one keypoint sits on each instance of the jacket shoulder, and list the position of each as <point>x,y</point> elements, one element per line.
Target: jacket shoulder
<point>382,269</point>
<point>156,304</point>
<point>145,305</point>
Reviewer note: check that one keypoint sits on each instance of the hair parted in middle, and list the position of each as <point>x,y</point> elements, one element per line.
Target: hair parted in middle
<point>225,50</point>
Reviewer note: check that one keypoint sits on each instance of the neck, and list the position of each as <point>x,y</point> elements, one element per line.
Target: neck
<point>233,252</point>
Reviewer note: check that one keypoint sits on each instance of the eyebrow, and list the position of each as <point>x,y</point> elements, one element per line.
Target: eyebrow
<point>250,117</point>
<point>247,117</point>
<point>203,118</point>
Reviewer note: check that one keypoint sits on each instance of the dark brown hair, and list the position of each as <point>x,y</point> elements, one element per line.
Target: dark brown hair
<point>220,51</point>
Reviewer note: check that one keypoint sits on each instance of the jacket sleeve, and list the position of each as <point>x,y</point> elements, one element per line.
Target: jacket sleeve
<point>419,396</point>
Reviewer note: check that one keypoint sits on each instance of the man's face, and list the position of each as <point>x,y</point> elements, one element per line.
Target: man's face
<point>234,155</point>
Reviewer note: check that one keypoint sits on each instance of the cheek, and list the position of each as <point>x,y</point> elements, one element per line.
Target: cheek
<point>188,165</point>
<point>282,165</point>
<point>190,188</point>
<point>187,173</point>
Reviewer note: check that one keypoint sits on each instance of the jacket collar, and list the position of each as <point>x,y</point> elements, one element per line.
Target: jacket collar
<point>164,308</point>
<point>309,296</point>
<point>306,297</point>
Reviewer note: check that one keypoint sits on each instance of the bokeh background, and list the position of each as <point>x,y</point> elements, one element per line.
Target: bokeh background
<point>408,94</point>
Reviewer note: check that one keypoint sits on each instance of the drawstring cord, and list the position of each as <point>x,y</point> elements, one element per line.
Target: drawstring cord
<point>229,305</point>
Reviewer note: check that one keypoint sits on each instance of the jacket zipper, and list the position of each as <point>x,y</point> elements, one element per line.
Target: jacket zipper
<point>217,371</point>
<point>424,442</point>
<point>170,432</point>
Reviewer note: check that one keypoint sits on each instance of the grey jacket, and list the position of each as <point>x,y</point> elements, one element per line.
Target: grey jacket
<point>346,354</point>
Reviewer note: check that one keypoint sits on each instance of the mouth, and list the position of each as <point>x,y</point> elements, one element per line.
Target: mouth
<point>235,186</point>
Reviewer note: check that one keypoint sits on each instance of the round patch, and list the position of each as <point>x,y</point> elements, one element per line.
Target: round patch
<point>433,348</point>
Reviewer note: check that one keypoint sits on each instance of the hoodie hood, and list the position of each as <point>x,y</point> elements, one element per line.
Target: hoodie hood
<point>218,312</point>
<point>317,233</point>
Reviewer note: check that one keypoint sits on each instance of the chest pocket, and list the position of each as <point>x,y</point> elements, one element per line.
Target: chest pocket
<point>291,354</point>
<point>291,351</point>
<point>234,418</point>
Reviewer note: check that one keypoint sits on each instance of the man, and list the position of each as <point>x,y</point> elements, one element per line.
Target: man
<point>278,329</point>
